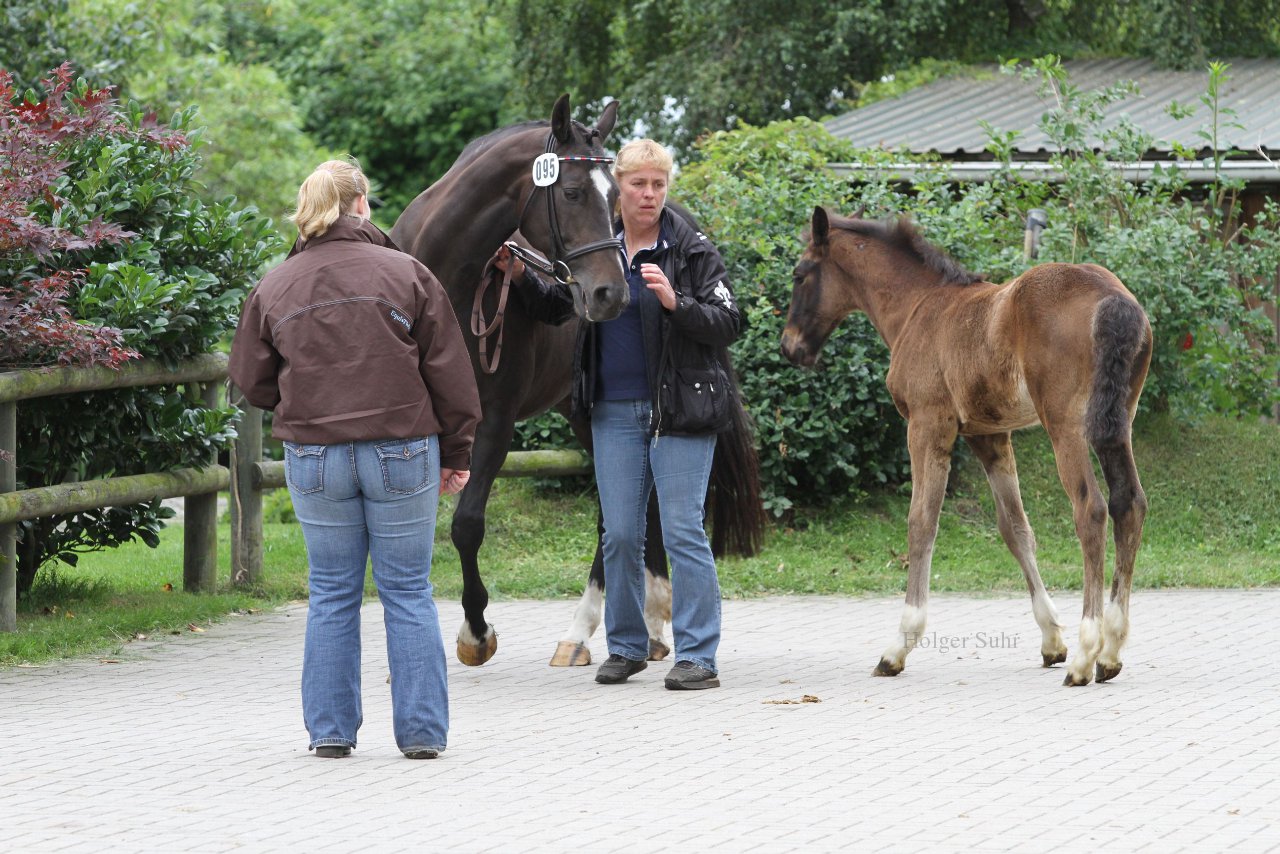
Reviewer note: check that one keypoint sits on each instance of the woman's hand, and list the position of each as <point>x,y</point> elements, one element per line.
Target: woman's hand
<point>452,480</point>
<point>656,281</point>
<point>503,257</point>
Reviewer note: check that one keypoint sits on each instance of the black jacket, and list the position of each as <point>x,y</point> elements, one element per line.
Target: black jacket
<point>686,355</point>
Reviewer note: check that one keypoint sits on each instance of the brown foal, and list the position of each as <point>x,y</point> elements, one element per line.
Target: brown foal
<point>1063,345</point>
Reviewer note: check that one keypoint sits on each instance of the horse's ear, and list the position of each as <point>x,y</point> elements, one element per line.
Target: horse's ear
<point>860,211</point>
<point>821,226</point>
<point>561,122</point>
<point>608,116</point>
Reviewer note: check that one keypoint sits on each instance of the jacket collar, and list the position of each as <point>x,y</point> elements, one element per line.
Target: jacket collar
<point>347,228</point>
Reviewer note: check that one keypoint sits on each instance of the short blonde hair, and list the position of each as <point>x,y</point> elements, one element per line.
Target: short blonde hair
<point>641,154</point>
<point>326,194</point>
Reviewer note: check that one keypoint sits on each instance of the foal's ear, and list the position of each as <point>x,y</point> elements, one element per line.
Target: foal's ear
<point>561,122</point>
<point>608,116</point>
<point>821,226</point>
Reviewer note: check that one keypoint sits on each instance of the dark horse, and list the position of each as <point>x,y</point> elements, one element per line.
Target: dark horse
<point>454,227</point>
<point>1063,345</point>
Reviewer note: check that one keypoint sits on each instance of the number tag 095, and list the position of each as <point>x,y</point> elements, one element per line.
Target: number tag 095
<point>546,169</point>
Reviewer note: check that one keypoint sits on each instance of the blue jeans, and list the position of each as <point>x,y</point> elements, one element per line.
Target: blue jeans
<point>358,500</point>
<point>629,464</point>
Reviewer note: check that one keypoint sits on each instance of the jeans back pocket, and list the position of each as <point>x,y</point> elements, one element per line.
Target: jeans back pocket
<point>304,467</point>
<point>406,465</point>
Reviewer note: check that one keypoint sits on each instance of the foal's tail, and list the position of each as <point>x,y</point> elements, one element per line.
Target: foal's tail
<point>1121,353</point>
<point>733,496</point>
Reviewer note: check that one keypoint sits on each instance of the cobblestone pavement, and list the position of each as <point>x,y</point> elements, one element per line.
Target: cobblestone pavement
<point>195,743</point>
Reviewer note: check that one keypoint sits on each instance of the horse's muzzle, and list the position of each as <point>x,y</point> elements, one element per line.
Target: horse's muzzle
<point>796,350</point>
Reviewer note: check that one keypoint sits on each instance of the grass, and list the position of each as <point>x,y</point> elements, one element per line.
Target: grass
<point>1214,521</point>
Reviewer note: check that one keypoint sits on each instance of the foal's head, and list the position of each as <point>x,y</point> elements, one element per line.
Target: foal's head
<point>845,259</point>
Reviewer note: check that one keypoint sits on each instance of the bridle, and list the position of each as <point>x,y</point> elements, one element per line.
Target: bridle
<point>558,266</point>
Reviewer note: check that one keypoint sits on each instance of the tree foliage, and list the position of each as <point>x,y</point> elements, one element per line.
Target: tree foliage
<point>683,69</point>
<point>404,85</point>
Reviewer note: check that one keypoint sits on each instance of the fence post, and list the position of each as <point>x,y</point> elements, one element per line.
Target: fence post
<point>246,499</point>
<point>200,527</point>
<point>9,532</point>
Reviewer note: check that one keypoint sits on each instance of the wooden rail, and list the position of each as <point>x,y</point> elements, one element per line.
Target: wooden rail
<point>247,478</point>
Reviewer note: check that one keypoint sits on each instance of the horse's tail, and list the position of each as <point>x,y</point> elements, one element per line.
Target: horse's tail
<point>1121,354</point>
<point>733,497</point>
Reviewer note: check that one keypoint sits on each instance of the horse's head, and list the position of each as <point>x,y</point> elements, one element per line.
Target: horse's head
<point>817,304</point>
<point>568,212</point>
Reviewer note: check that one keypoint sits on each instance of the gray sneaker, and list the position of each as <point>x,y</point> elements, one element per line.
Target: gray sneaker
<point>618,669</point>
<point>687,676</point>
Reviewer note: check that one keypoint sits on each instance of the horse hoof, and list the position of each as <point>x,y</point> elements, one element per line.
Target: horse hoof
<point>884,668</point>
<point>571,654</point>
<point>658,650</point>
<point>476,654</point>
<point>1072,682</point>
<point>1051,659</point>
<point>1102,674</point>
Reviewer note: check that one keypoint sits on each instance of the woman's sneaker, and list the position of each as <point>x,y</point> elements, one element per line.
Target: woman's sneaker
<point>618,668</point>
<point>332,751</point>
<point>687,676</point>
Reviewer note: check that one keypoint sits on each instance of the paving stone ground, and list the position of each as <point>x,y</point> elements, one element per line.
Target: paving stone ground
<point>195,743</point>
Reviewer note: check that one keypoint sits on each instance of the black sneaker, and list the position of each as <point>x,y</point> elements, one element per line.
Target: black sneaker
<point>422,753</point>
<point>332,751</point>
<point>687,676</point>
<point>617,669</point>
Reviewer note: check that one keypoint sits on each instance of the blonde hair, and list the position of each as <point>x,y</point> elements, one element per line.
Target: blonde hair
<point>641,154</point>
<point>326,194</point>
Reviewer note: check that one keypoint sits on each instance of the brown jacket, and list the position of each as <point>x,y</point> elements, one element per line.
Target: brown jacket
<point>350,339</point>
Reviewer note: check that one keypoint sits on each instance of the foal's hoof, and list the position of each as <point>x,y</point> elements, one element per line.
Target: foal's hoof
<point>571,654</point>
<point>1052,658</point>
<point>1101,673</point>
<point>886,668</point>
<point>658,650</point>
<point>474,654</point>
<point>1073,681</point>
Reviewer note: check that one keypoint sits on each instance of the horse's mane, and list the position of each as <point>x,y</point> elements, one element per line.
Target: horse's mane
<point>478,145</point>
<point>901,234</point>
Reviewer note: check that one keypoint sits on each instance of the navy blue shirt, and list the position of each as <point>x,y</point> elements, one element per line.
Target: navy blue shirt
<point>621,374</point>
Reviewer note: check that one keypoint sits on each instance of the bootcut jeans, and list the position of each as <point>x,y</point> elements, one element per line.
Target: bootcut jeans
<point>356,501</point>
<point>629,464</point>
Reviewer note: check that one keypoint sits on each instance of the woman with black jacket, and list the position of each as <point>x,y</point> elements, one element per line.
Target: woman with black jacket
<point>656,388</point>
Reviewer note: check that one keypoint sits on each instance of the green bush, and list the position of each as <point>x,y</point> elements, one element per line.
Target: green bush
<point>173,290</point>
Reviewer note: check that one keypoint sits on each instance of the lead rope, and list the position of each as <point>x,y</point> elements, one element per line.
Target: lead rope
<point>484,330</point>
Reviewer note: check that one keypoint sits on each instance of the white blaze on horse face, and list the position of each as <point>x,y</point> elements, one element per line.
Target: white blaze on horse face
<point>603,185</point>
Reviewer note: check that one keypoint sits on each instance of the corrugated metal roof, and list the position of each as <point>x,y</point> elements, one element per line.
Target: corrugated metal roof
<point>943,116</point>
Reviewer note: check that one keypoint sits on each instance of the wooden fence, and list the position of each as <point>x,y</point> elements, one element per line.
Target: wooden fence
<point>247,478</point>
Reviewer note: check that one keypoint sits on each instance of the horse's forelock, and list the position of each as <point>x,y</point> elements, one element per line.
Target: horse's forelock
<point>901,234</point>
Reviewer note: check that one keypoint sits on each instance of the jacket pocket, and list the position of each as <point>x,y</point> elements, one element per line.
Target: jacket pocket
<point>406,465</point>
<point>304,467</point>
<point>695,400</point>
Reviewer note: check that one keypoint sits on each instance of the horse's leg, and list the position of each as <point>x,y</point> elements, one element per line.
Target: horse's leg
<point>1128,509</point>
<point>1075,470</point>
<point>929,441</point>
<point>657,583</point>
<point>996,455</point>
<point>477,641</point>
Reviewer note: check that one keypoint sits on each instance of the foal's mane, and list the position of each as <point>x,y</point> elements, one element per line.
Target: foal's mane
<point>901,234</point>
